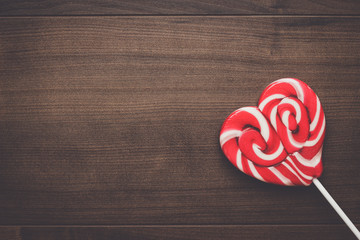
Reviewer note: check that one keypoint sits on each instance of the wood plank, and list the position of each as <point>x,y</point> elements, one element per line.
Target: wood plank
<point>301,232</point>
<point>129,7</point>
<point>115,120</point>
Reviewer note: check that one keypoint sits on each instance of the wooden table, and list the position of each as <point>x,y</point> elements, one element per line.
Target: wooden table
<point>110,113</point>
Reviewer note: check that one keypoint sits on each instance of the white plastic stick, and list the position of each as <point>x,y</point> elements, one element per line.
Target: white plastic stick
<point>336,207</point>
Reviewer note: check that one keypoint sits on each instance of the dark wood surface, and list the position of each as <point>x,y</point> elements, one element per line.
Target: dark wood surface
<point>109,124</point>
<point>296,232</point>
<point>187,7</point>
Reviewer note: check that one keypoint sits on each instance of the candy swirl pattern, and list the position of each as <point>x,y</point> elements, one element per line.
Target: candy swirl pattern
<point>279,141</point>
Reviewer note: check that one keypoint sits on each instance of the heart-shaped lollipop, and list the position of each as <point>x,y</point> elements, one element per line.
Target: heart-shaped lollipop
<point>279,141</point>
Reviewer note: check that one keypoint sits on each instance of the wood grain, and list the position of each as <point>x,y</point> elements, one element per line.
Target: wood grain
<point>140,7</point>
<point>115,120</point>
<point>298,232</point>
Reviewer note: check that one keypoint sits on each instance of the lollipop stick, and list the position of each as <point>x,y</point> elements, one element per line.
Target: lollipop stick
<point>336,207</point>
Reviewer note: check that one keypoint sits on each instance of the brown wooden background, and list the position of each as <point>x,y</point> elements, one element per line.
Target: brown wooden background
<point>110,113</point>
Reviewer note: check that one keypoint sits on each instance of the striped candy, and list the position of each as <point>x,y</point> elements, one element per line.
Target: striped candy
<point>280,141</point>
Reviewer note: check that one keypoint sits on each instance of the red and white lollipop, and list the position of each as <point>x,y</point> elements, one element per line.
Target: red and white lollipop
<point>280,141</point>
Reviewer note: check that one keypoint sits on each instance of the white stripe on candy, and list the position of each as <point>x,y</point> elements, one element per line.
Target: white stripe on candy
<point>265,156</point>
<point>314,123</point>
<point>279,175</point>
<point>308,162</point>
<point>254,171</point>
<point>226,136</point>
<point>285,118</point>
<point>296,85</point>
<point>297,175</point>
<point>293,103</point>
<point>307,177</point>
<point>293,141</point>
<point>269,99</point>
<point>239,160</point>
<point>264,128</point>
<point>273,117</point>
<point>316,140</point>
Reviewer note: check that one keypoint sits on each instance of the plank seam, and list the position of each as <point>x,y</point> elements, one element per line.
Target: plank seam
<point>191,15</point>
<point>173,226</point>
